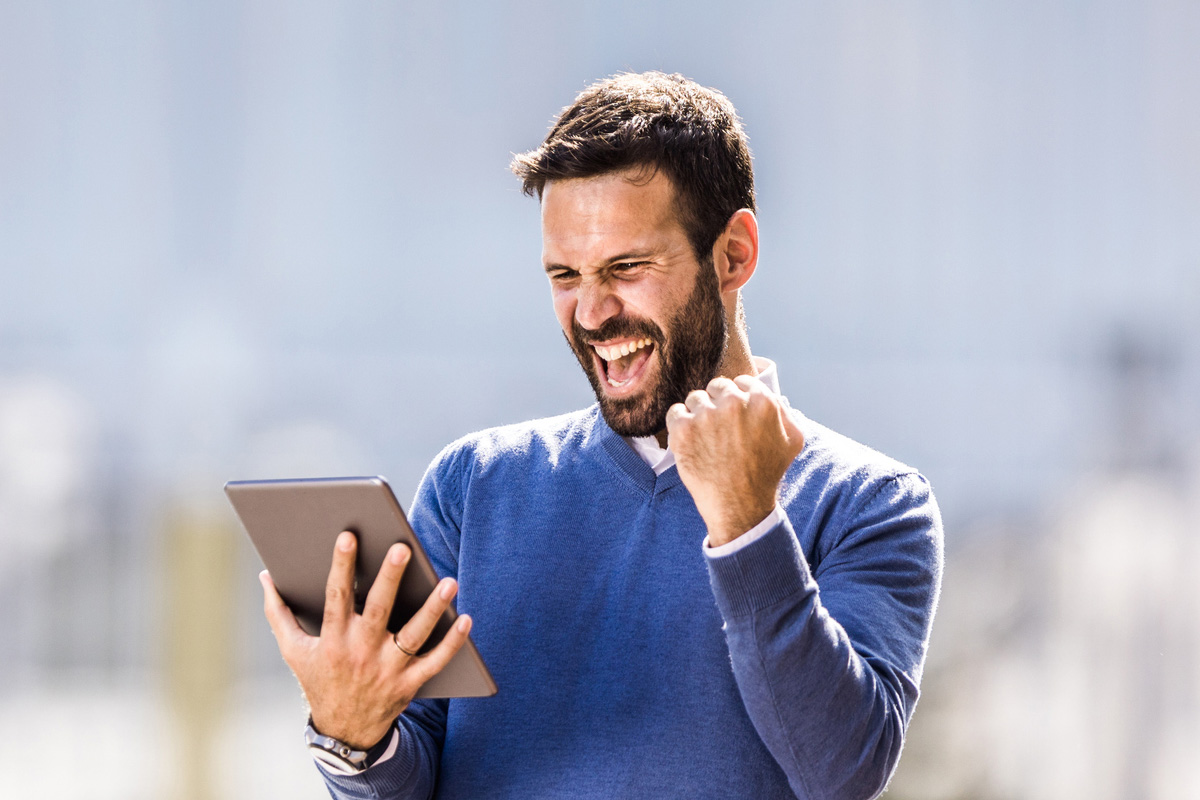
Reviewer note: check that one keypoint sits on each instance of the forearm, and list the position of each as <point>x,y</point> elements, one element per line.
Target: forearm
<point>833,719</point>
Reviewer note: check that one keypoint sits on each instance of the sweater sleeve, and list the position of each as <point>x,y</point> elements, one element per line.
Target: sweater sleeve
<point>411,773</point>
<point>828,664</point>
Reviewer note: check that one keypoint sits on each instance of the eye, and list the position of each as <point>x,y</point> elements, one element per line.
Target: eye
<point>561,274</point>
<point>626,267</point>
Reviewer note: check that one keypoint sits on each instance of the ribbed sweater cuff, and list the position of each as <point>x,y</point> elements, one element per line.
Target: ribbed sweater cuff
<point>760,574</point>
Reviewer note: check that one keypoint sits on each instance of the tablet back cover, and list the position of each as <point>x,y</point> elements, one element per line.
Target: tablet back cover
<point>293,525</point>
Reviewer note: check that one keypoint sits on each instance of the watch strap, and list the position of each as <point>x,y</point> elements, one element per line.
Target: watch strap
<point>340,756</point>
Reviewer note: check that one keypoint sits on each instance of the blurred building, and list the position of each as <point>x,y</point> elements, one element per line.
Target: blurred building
<point>1065,650</point>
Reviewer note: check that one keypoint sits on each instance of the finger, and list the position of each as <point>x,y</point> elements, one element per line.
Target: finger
<point>697,400</point>
<point>795,436</point>
<point>725,392</point>
<point>676,413</point>
<point>414,633</point>
<point>721,386</point>
<point>287,630</point>
<point>436,659</point>
<point>750,384</point>
<point>378,607</point>
<point>339,589</point>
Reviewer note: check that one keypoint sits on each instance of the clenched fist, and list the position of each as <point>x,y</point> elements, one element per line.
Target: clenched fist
<point>732,441</point>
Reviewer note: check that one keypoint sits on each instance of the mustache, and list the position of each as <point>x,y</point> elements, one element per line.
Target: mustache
<point>616,328</point>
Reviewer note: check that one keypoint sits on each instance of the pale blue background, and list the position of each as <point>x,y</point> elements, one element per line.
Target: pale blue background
<point>241,239</point>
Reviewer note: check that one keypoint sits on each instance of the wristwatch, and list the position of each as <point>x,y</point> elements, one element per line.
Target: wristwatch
<point>340,756</point>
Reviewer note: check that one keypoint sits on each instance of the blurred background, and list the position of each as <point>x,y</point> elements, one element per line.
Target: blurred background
<point>264,239</point>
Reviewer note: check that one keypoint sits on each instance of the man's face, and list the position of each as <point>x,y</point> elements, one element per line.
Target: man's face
<point>643,316</point>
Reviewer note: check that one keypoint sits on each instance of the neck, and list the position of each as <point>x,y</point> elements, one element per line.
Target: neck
<point>737,360</point>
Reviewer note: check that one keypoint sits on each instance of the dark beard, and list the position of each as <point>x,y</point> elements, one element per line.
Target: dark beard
<point>688,359</point>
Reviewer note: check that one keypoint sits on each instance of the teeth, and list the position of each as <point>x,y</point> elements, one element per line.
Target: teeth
<point>617,351</point>
<point>616,384</point>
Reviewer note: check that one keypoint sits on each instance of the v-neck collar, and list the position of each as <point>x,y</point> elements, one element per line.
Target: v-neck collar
<point>627,460</point>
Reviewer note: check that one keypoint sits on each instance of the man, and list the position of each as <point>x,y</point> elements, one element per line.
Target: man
<point>688,590</point>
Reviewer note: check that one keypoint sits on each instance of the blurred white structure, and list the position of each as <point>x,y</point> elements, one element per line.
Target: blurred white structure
<point>1065,666</point>
<point>47,453</point>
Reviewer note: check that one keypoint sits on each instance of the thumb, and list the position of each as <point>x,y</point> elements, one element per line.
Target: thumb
<point>288,633</point>
<point>795,436</point>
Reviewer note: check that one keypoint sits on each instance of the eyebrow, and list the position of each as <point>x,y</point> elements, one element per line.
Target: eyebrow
<point>633,255</point>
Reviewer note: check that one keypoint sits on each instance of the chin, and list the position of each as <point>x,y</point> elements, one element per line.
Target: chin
<point>630,424</point>
<point>644,415</point>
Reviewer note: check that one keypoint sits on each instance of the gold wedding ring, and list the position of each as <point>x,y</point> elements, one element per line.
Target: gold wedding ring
<point>400,647</point>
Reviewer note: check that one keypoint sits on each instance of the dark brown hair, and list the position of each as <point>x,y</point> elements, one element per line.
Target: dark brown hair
<point>658,121</point>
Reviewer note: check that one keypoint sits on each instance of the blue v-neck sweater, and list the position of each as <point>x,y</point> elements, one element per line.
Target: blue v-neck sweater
<point>630,665</point>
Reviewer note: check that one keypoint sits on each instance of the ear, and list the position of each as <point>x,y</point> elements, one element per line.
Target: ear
<point>735,253</point>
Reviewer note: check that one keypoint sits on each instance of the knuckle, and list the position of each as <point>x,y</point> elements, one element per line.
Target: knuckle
<point>428,614</point>
<point>720,382</point>
<point>760,396</point>
<point>373,613</point>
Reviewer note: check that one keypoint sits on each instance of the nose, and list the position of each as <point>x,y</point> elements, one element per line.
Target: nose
<point>596,303</point>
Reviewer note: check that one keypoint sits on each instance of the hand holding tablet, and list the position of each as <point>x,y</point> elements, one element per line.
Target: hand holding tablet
<point>360,655</point>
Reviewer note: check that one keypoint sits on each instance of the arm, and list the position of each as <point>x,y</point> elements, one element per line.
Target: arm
<point>829,679</point>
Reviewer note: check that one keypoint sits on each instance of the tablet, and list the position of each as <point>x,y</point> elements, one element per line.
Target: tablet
<point>294,524</point>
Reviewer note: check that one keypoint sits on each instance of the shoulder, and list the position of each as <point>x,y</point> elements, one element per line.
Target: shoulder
<point>526,444</point>
<point>837,458</point>
<point>488,457</point>
<point>838,485</point>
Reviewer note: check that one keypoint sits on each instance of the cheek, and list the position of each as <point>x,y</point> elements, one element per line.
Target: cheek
<point>564,307</point>
<point>659,307</point>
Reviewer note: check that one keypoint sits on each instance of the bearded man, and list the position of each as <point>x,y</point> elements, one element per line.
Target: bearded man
<point>686,590</point>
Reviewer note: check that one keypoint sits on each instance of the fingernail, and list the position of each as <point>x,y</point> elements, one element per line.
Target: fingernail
<point>262,577</point>
<point>463,624</point>
<point>345,541</point>
<point>446,590</point>
<point>398,554</point>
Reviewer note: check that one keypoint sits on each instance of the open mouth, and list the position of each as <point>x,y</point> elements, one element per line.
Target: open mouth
<point>623,363</point>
